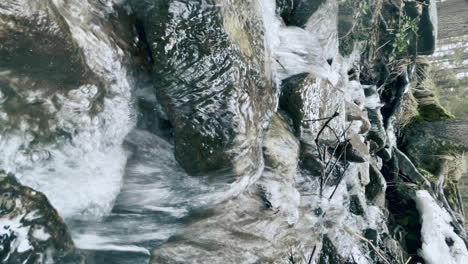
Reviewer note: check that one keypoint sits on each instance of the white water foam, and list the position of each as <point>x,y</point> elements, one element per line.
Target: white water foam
<point>81,175</point>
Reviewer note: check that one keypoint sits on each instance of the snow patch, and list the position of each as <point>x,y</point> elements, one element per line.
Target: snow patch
<point>440,244</point>
<point>14,229</point>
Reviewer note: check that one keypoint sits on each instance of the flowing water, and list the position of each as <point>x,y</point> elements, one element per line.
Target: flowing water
<point>113,177</point>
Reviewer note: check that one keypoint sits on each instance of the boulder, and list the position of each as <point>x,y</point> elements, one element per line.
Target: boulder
<point>210,76</point>
<point>40,63</point>
<point>31,231</point>
<point>309,101</point>
<point>37,27</point>
<point>280,147</point>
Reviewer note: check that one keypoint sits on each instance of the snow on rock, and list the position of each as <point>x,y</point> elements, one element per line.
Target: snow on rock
<point>31,231</point>
<point>440,243</point>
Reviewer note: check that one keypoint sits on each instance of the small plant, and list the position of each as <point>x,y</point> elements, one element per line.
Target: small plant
<point>404,29</point>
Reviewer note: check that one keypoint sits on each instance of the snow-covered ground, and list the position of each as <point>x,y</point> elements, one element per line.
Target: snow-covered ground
<point>440,243</point>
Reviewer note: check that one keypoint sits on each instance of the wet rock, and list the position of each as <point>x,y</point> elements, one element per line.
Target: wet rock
<point>377,135</point>
<point>375,190</point>
<point>356,150</point>
<point>210,76</point>
<point>40,61</point>
<point>241,230</point>
<point>310,160</point>
<point>297,12</point>
<point>31,231</point>
<point>372,235</point>
<point>355,205</point>
<point>280,147</point>
<point>305,98</point>
<point>38,28</point>
<point>355,113</point>
<point>329,253</point>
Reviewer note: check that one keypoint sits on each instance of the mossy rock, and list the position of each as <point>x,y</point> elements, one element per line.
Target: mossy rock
<point>434,112</point>
<point>426,142</point>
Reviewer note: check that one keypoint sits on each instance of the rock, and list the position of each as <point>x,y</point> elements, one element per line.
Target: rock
<point>424,142</point>
<point>375,190</point>
<point>407,169</point>
<point>292,100</point>
<point>377,135</point>
<point>212,80</point>
<point>428,28</point>
<point>385,154</point>
<point>329,253</point>
<point>363,173</point>
<point>425,14</point>
<point>372,235</point>
<point>354,113</point>
<point>310,160</point>
<point>280,147</point>
<point>31,231</point>
<point>356,150</point>
<point>40,63</point>
<point>38,27</point>
<point>297,12</point>
<point>355,205</point>
<point>305,98</point>
<point>393,247</point>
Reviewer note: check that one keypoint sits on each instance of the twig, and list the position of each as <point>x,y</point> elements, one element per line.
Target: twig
<point>339,181</point>
<point>322,129</point>
<point>408,261</point>
<point>335,163</point>
<point>377,251</point>
<point>312,255</point>
<point>319,148</point>
<point>291,256</point>
<point>282,66</point>
<point>343,135</point>
<point>342,174</point>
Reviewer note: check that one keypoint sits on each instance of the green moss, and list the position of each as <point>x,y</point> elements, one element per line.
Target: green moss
<point>429,176</point>
<point>434,112</point>
<point>451,193</point>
